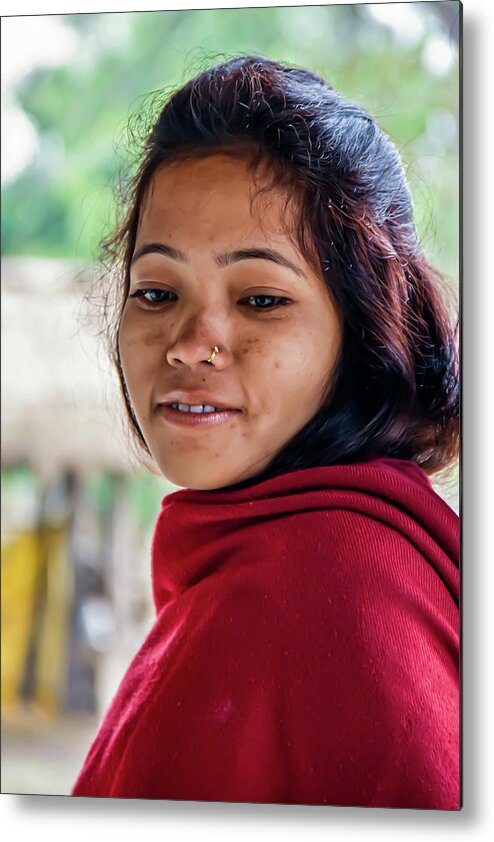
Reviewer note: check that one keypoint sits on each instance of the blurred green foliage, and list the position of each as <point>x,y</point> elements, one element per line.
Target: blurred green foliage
<point>63,203</point>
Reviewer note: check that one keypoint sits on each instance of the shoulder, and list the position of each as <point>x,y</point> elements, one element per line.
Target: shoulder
<point>339,544</point>
<point>343,590</point>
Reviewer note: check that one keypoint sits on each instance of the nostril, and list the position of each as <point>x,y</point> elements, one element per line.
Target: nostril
<point>191,352</point>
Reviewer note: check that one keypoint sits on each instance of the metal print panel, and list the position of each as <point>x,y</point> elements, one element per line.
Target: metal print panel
<point>230,461</point>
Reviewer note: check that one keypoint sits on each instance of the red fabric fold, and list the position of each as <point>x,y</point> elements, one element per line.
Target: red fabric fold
<point>305,649</point>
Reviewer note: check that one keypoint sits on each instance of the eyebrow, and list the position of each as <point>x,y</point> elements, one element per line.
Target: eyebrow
<point>221,260</point>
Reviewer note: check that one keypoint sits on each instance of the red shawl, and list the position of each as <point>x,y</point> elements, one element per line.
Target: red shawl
<point>305,649</point>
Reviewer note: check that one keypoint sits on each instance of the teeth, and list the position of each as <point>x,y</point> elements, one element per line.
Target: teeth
<point>198,409</point>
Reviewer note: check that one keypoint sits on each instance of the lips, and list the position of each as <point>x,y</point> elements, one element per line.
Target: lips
<point>171,414</point>
<point>197,398</point>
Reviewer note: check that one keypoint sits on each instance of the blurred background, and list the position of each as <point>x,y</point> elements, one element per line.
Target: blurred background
<point>77,513</point>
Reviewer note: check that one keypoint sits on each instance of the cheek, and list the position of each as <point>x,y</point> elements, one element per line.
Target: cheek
<point>278,373</point>
<point>139,344</point>
<point>298,375</point>
<point>295,362</point>
<point>141,355</point>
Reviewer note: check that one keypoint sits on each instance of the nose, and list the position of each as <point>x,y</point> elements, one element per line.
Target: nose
<point>195,342</point>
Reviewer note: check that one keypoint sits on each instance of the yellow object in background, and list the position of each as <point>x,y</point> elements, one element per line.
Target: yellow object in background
<point>34,618</point>
<point>53,635</point>
<point>21,573</point>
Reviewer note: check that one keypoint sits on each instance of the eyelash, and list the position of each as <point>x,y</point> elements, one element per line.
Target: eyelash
<point>281,302</point>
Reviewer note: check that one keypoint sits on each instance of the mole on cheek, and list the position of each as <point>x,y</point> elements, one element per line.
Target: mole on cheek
<point>248,346</point>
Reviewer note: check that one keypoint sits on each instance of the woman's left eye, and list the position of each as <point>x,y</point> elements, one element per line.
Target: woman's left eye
<point>265,302</point>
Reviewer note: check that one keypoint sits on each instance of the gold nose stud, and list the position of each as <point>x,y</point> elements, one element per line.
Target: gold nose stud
<point>215,351</point>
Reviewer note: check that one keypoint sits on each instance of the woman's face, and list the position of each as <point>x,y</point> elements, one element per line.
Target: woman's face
<point>213,266</point>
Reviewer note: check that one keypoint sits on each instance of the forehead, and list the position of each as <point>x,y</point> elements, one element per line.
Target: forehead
<point>216,197</point>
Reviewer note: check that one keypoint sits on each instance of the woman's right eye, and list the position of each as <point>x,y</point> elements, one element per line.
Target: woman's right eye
<point>153,296</point>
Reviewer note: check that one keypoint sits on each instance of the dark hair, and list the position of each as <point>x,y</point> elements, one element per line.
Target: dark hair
<point>395,391</point>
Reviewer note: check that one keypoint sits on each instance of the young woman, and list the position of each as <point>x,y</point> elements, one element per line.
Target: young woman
<point>288,358</point>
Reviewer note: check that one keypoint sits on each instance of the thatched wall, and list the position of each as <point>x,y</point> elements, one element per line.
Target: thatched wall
<point>60,401</point>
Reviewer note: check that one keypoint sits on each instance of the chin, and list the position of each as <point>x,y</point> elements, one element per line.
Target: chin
<point>196,480</point>
<point>205,478</point>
